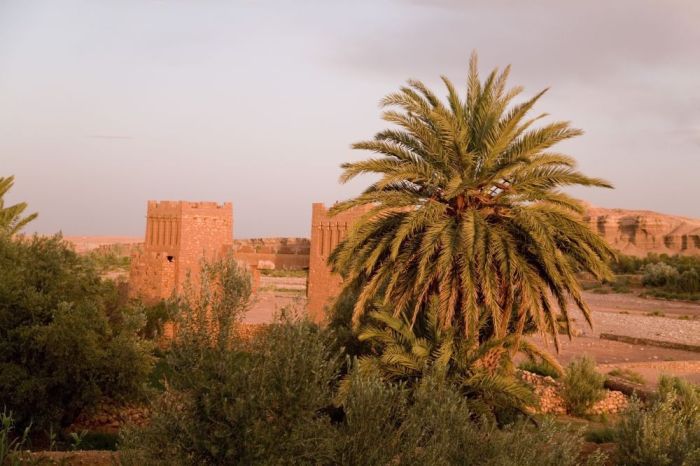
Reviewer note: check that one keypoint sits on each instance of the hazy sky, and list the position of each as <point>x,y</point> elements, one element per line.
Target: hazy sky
<point>106,104</point>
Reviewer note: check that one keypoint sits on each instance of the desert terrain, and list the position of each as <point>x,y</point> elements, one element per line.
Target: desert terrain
<point>615,313</point>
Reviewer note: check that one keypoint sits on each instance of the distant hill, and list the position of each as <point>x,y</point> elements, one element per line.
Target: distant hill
<point>640,232</point>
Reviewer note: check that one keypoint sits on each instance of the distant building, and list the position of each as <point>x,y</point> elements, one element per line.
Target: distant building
<point>179,235</point>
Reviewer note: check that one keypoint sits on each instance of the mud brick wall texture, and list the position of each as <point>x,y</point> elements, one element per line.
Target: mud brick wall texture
<point>179,235</point>
<point>326,232</point>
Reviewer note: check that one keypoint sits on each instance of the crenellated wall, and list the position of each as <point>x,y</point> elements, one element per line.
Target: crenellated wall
<point>179,235</point>
<point>323,286</point>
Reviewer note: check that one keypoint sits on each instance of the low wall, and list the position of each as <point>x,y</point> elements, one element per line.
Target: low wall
<point>281,261</point>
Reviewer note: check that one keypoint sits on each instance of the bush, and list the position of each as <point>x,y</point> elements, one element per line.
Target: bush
<point>64,340</point>
<point>388,424</point>
<point>603,434</point>
<point>628,374</point>
<point>256,405</point>
<point>664,294</point>
<point>107,259</point>
<point>621,285</point>
<point>542,368</point>
<point>665,433</point>
<point>659,274</point>
<point>582,386</point>
<point>231,401</point>
<point>269,400</point>
<point>379,422</point>
<point>11,441</point>
<point>688,282</point>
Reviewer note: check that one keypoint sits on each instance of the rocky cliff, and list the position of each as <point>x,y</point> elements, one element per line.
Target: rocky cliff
<point>640,232</point>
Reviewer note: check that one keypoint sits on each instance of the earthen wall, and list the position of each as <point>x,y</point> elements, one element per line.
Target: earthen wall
<point>179,235</point>
<point>326,233</point>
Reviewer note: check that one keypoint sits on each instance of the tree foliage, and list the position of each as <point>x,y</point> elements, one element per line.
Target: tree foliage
<point>11,220</point>
<point>667,432</point>
<point>468,207</point>
<point>65,340</point>
<point>405,353</point>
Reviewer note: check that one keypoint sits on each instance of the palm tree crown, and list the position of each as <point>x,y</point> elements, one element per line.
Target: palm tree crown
<point>468,208</point>
<point>11,220</point>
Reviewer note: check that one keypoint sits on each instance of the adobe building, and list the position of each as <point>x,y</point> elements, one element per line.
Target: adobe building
<point>274,253</point>
<point>179,235</point>
<point>324,286</point>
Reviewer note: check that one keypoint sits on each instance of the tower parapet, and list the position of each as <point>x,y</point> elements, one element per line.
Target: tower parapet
<point>179,234</point>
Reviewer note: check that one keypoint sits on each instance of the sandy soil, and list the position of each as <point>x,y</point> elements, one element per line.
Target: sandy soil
<point>276,294</point>
<point>627,314</point>
<point>615,302</point>
<point>621,314</point>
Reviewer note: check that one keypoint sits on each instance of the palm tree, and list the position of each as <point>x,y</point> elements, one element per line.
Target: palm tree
<point>11,220</point>
<point>468,207</point>
<point>404,352</point>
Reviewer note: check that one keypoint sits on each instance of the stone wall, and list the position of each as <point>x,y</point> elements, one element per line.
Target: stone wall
<point>326,232</point>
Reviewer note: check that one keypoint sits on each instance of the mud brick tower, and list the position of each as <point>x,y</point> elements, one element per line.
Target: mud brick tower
<point>326,232</point>
<point>179,235</point>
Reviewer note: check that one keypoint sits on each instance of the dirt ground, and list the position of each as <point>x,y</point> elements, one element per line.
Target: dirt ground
<point>275,295</point>
<point>620,314</point>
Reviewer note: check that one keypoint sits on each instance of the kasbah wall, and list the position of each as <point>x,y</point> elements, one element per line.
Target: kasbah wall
<point>179,235</point>
<point>274,253</point>
<point>326,232</point>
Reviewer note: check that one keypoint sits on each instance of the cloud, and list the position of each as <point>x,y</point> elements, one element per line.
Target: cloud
<point>543,39</point>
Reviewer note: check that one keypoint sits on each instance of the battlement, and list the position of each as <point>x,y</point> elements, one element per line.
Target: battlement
<point>320,215</point>
<point>179,234</point>
<point>326,233</point>
<point>179,206</point>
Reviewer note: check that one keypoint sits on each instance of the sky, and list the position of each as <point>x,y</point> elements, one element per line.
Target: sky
<point>107,104</point>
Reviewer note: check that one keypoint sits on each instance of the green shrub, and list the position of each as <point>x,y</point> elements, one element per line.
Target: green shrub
<point>250,403</point>
<point>582,386</point>
<point>157,315</point>
<point>604,434</point>
<point>11,442</point>
<point>688,281</point>
<point>109,258</point>
<point>667,432</point>
<point>635,265</point>
<point>229,401</point>
<point>542,368</point>
<point>269,400</point>
<point>627,264</point>
<point>628,374</point>
<point>389,424</point>
<point>65,340</point>
<point>659,274</point>
<point>621,285</point>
